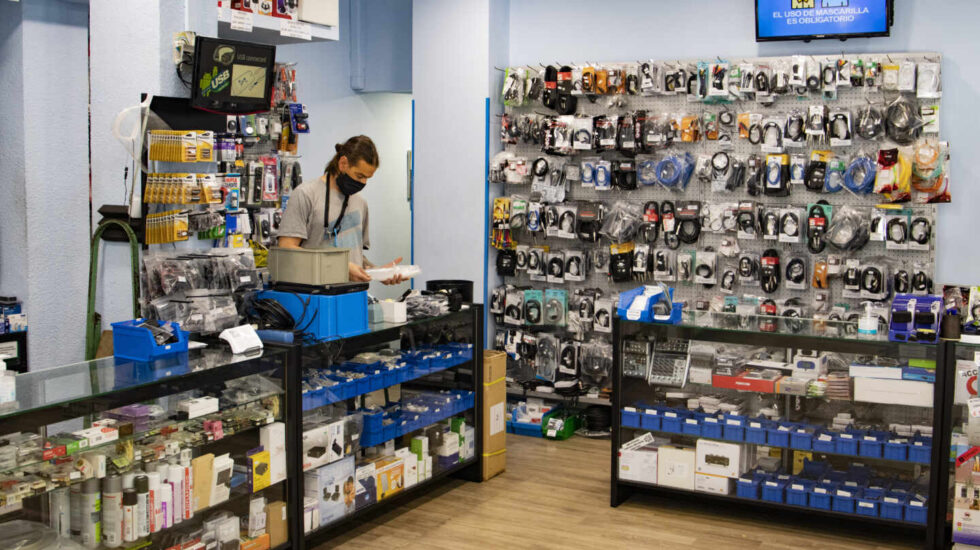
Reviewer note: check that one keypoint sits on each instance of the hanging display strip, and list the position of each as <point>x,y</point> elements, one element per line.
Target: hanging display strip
<point>746,229</point>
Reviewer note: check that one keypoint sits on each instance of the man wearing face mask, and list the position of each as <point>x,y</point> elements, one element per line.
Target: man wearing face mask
<point>328,212</point>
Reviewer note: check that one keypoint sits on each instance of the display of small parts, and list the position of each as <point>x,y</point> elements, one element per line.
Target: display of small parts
<point>779,143</point>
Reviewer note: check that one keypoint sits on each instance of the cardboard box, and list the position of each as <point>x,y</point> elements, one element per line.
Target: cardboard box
<point>675,467</point>
<point>718,485</point>
<point>721,459</point>
<point>893,392</point>
<point>411,472</point>
<point>261,542</point>
<point>333,488</point>
<point>365,485</point>
<point>276,522</point>
<point>273,439</point>
<point>323,444</point>
<point>638,465</point>
<point>468,450</point>
<point>390,476</point>
<point>494,433</point>
<point>259,470</point>
<point>741,382</point>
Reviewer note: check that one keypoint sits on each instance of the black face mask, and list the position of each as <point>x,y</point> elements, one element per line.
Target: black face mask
<point>348,185</point>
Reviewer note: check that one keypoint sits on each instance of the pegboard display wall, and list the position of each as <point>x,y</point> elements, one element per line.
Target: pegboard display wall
<point>739,112</point>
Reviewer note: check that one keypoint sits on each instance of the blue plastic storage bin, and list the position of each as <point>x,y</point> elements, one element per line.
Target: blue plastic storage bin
<point>892,506</point>
<point>896,449</point>
<point>872,444</point>
<point>691,426</point>
<point>845,498</point>
<point>797,490</point>
<point>528,429</point>
<point>132,342</point>
<point>755,430</point>
<point>734,429</point>
<point>650,419</point>
<point>821,495</point>
<point>801,438</point>
<point>867,506</point>
<point>671,421</point>
<point>308,400</point>
<point>778,434</point>
<point>921,450</point>
<point>824,441</point>
<point>630,418</point>
<point>749,485</point>
<point>326,317</point>
<point>916,510</point>
<point>847,442</point>
<point>774,490</point>
<point>711,426</point>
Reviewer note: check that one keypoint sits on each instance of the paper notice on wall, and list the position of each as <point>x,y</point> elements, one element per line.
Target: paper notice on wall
<point>295,29</point>
<point>496,418</point>
<point>241,21</point>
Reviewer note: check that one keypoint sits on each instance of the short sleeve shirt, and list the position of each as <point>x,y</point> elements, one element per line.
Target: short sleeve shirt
<point>303,219</point>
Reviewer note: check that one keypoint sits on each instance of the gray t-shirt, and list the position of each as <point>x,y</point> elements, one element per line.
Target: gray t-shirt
<point>303,219</point>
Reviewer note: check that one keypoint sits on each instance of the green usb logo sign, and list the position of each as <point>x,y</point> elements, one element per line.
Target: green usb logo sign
<point>214,81</point>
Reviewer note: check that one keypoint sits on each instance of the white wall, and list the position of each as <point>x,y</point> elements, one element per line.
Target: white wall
<point>338,113</point>
<point>549,31</point>
<point>450,80</point>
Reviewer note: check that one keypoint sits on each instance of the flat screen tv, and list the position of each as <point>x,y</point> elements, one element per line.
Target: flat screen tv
<point>232,77</point>
<point>819,19</point>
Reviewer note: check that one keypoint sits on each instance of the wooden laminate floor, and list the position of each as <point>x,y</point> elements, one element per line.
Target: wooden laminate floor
<point>556,495</point>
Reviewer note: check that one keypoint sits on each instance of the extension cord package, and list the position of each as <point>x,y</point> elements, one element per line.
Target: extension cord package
<point>494,402</point>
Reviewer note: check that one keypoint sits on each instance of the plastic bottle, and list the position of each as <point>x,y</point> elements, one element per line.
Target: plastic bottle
<point>176,479</point>
<point>75,508</point>
<point>91,513</point>
<point>142,505</point>
<point>188,504</point>
<point>112,511</point>
<point>166,505</point>
<point>59,514</point>
<point>154,514</point>
<point>130,503</point>
<point>868,323</point>
<point>127,480</point>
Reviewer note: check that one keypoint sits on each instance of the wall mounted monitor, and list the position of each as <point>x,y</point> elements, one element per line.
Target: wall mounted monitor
<point>820,19</point>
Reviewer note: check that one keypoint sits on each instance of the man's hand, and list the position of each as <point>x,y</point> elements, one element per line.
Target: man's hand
<point>397,278</point>
<point>357,273</point>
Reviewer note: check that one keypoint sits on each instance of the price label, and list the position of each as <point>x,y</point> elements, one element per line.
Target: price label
<point>846,436</point>
<point>755,425</point>
<point>734,422</point>
<point>974,404</point>
<point>772,484</point>
<point>670,415</point>
<point>825,437</point>
<point>820,490</point>
<point>692,421</point>
<point>651,412</point>
<point>784,428</point>
<point>241,21</point>
<point>891,500</point>
<point>843,493</point>
<point>295,29</point>
<point>710,420</point>
<point>552,433</point>
<point>870,438</point>
<point>866,505</point>
<point>631,410</point>
<point>797,487</point>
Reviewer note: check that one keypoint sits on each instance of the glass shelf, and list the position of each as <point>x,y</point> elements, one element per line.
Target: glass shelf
<point>71,391</point>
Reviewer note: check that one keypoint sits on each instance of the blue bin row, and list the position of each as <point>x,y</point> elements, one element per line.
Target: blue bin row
<point>787,435</point>
<point>381,426</point>
<point>326,386</point>
<point>524,428</point>
<point>853,492</point>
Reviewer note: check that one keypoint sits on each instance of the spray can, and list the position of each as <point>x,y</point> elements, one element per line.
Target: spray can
<point>142,505</point>
<point>112,511</point>
<point>130,502</point>
<point>154,515</point>
<point>166,505</point>
<point>59,512</point>
<point>176,479</point>
<point>188,504</point>
<point>91,513</point>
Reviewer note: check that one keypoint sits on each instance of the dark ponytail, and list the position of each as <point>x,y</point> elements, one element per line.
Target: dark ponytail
<point>356,149</point>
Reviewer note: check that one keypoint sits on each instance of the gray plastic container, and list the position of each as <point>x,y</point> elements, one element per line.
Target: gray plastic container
<point>309,266</point>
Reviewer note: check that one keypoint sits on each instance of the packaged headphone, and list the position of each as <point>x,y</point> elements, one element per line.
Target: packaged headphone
<point>555,307</point>
<point>796,274</point>
<point>574,265</point>
<point>728,278</point>
<point>537,264</point>
<point>514,307</point>
<point>546,358</point>
<point>747,269</point>
<point>566,226</point>
<point>555,267</point>
<point>568,358</point>
<point>602,319</point>
<point>790,225</point>
<point>705,265</point>
<point>520,259</point>
<point>685,267</point>
<point>533,307</point>
<point>506,263</point>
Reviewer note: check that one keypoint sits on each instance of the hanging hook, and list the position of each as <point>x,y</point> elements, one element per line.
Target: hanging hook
<point>499,69</point>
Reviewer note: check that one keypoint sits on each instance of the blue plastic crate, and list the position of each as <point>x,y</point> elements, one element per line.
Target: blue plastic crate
<point>749,486</point>
<point>916,511</point>
<point>872,445</point>
<point>308,400</point>
<point>755,431</point>
<point>734,429</point>
<point>778,434</point>
<point>712,427</point>
<point>845,498</point>
<point>892,506</point>
<point>821,495</point>
<point>797,490</point>
<point>630,418</point>
<point>671,421</point>
<point>867,506</point>
<point>650,419</point>
<point>847,443</point>
<point>132,342</point>
<point>326,317</point>
<point>825,442</point>
<point>774,490</point>
<point>896,450</point>
<point>691,426</point>
<point>921,450</point>
<point>528,429</point>
<point>801,439</point>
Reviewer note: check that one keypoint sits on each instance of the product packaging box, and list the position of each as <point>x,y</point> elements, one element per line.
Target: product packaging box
<point>675,467</point>
<point>719,485</point>
<point>273,439</point>
<point>261,542</point>
<point>893,392</point>
<point>448,452</point>
<point>311,514</point>
<point>468,450</point>
<point>494,438</point>
<point>222,470</point>
<point>428,467</point>
<point>202,468</point>
<point>411,472</point>
<point>638,465</point>
<point>390,476</point>
<point>366,486</point>
<point>258,469</point>
<point>333,488</point>
<point>722,459</point>
<point>276,523</point>
<point>98,435</point>
<point>323,444</point>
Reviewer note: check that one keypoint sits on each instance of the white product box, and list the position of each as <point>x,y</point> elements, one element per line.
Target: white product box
<point>699,375</point>
<point>450,445</point>
<point>323,444</point>
<point>333,488</point>
<point>394,312</point>
<point>893,392</point>
<point>366,487</point>
<point>428,467</point>
<point>311,514</point>
<point>719,485</point>
<point>808,367</point>
<point>468,450</point>
<point>273,439</point>
<point>722,459</point>
<point>638,465</point>
<point>871,371</point>
<point>98,435</point>
<point>966,381</point>
<point>675,467</point>
<point>411,472</point>
<point>199,406</point>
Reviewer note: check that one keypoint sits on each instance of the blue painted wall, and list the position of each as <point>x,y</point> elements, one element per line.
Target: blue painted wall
<point>564,31</point>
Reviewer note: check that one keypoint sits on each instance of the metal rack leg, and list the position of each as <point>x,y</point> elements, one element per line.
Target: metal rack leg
<point>294,446</point>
